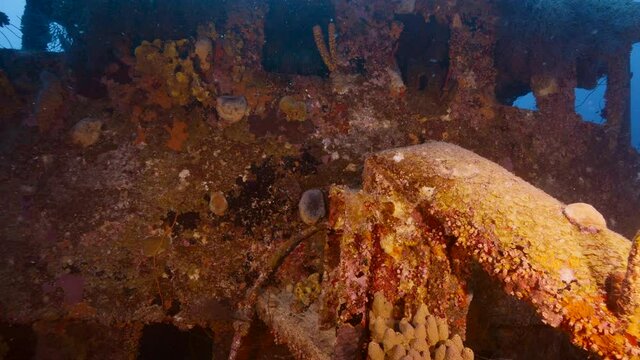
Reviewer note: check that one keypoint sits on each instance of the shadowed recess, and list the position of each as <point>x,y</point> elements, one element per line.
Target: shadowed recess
<point>423,53</point>
<point>17,342</point>
<point>165,341</point>
<point>289,45</point>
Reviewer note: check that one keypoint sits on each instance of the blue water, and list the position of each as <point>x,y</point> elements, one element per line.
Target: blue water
<point>526,102</point>
<point>590,103</point>
<point>635,96</point>
<point>14,10</point>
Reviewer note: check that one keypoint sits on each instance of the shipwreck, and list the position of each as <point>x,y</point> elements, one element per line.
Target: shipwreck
<point>326,179</point>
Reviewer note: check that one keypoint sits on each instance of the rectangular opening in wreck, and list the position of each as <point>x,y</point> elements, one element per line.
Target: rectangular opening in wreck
<point>165,341</point>
<point>523,57</point>
<point>513,78</point>
<point>590,103</point>
<point>289,44</point>
<point>423,54</point>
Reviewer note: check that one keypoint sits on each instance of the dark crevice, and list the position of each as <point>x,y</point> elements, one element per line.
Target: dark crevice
<point>262,345</point>
<point>181,222</point>
<point>508,92</point>
<point>494,333</point>
<point>17,342</point>
<point>165,341</point>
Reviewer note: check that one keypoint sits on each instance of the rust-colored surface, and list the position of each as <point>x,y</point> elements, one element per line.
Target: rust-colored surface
<point>517,233</point>
<point>299,330</point>
<point>121,234</point>
<point>384,245</point>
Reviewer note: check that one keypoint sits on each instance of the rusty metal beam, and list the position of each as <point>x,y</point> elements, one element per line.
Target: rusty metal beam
<point>429,213</point>
<point>518,234</point>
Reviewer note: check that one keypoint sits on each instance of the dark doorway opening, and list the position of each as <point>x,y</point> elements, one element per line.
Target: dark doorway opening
<point>423,53</point>
<point>289,44</point>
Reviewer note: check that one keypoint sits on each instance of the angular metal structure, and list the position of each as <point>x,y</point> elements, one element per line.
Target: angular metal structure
<point>428,213</point>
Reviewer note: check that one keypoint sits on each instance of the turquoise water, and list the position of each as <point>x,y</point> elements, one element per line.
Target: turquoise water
<point>590,103</point>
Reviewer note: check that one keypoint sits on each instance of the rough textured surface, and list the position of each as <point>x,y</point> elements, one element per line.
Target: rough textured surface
<point>585,217</point>
<point>517,233</point>
<point>630,290</point>
<point>300,331</point>
<point>378,244</point>
<point>292,109</point>
<point>218,203</point>
<point>86,132</point>
<point>419,335</point>
<point>125,225</point>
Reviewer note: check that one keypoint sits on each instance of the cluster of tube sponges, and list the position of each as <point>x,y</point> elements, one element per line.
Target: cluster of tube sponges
<point>330,55</point>
<point>422,337</point>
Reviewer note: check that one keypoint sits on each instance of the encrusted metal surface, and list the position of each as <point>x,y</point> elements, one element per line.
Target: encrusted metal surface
<point>517,233</point>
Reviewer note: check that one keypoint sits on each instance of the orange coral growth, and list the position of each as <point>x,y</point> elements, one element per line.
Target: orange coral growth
<point>178,135</point>
<point>141,136</point>
<point>381,250</point>
<point>459,194</point>
<point>163,78</point>
<point>579,310</point>
<point>396,29</point>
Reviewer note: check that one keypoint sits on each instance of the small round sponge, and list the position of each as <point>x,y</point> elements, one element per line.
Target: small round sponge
<point>311,206</point>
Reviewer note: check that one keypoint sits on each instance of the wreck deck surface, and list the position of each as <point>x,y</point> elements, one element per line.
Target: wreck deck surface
<point>112,238</point>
